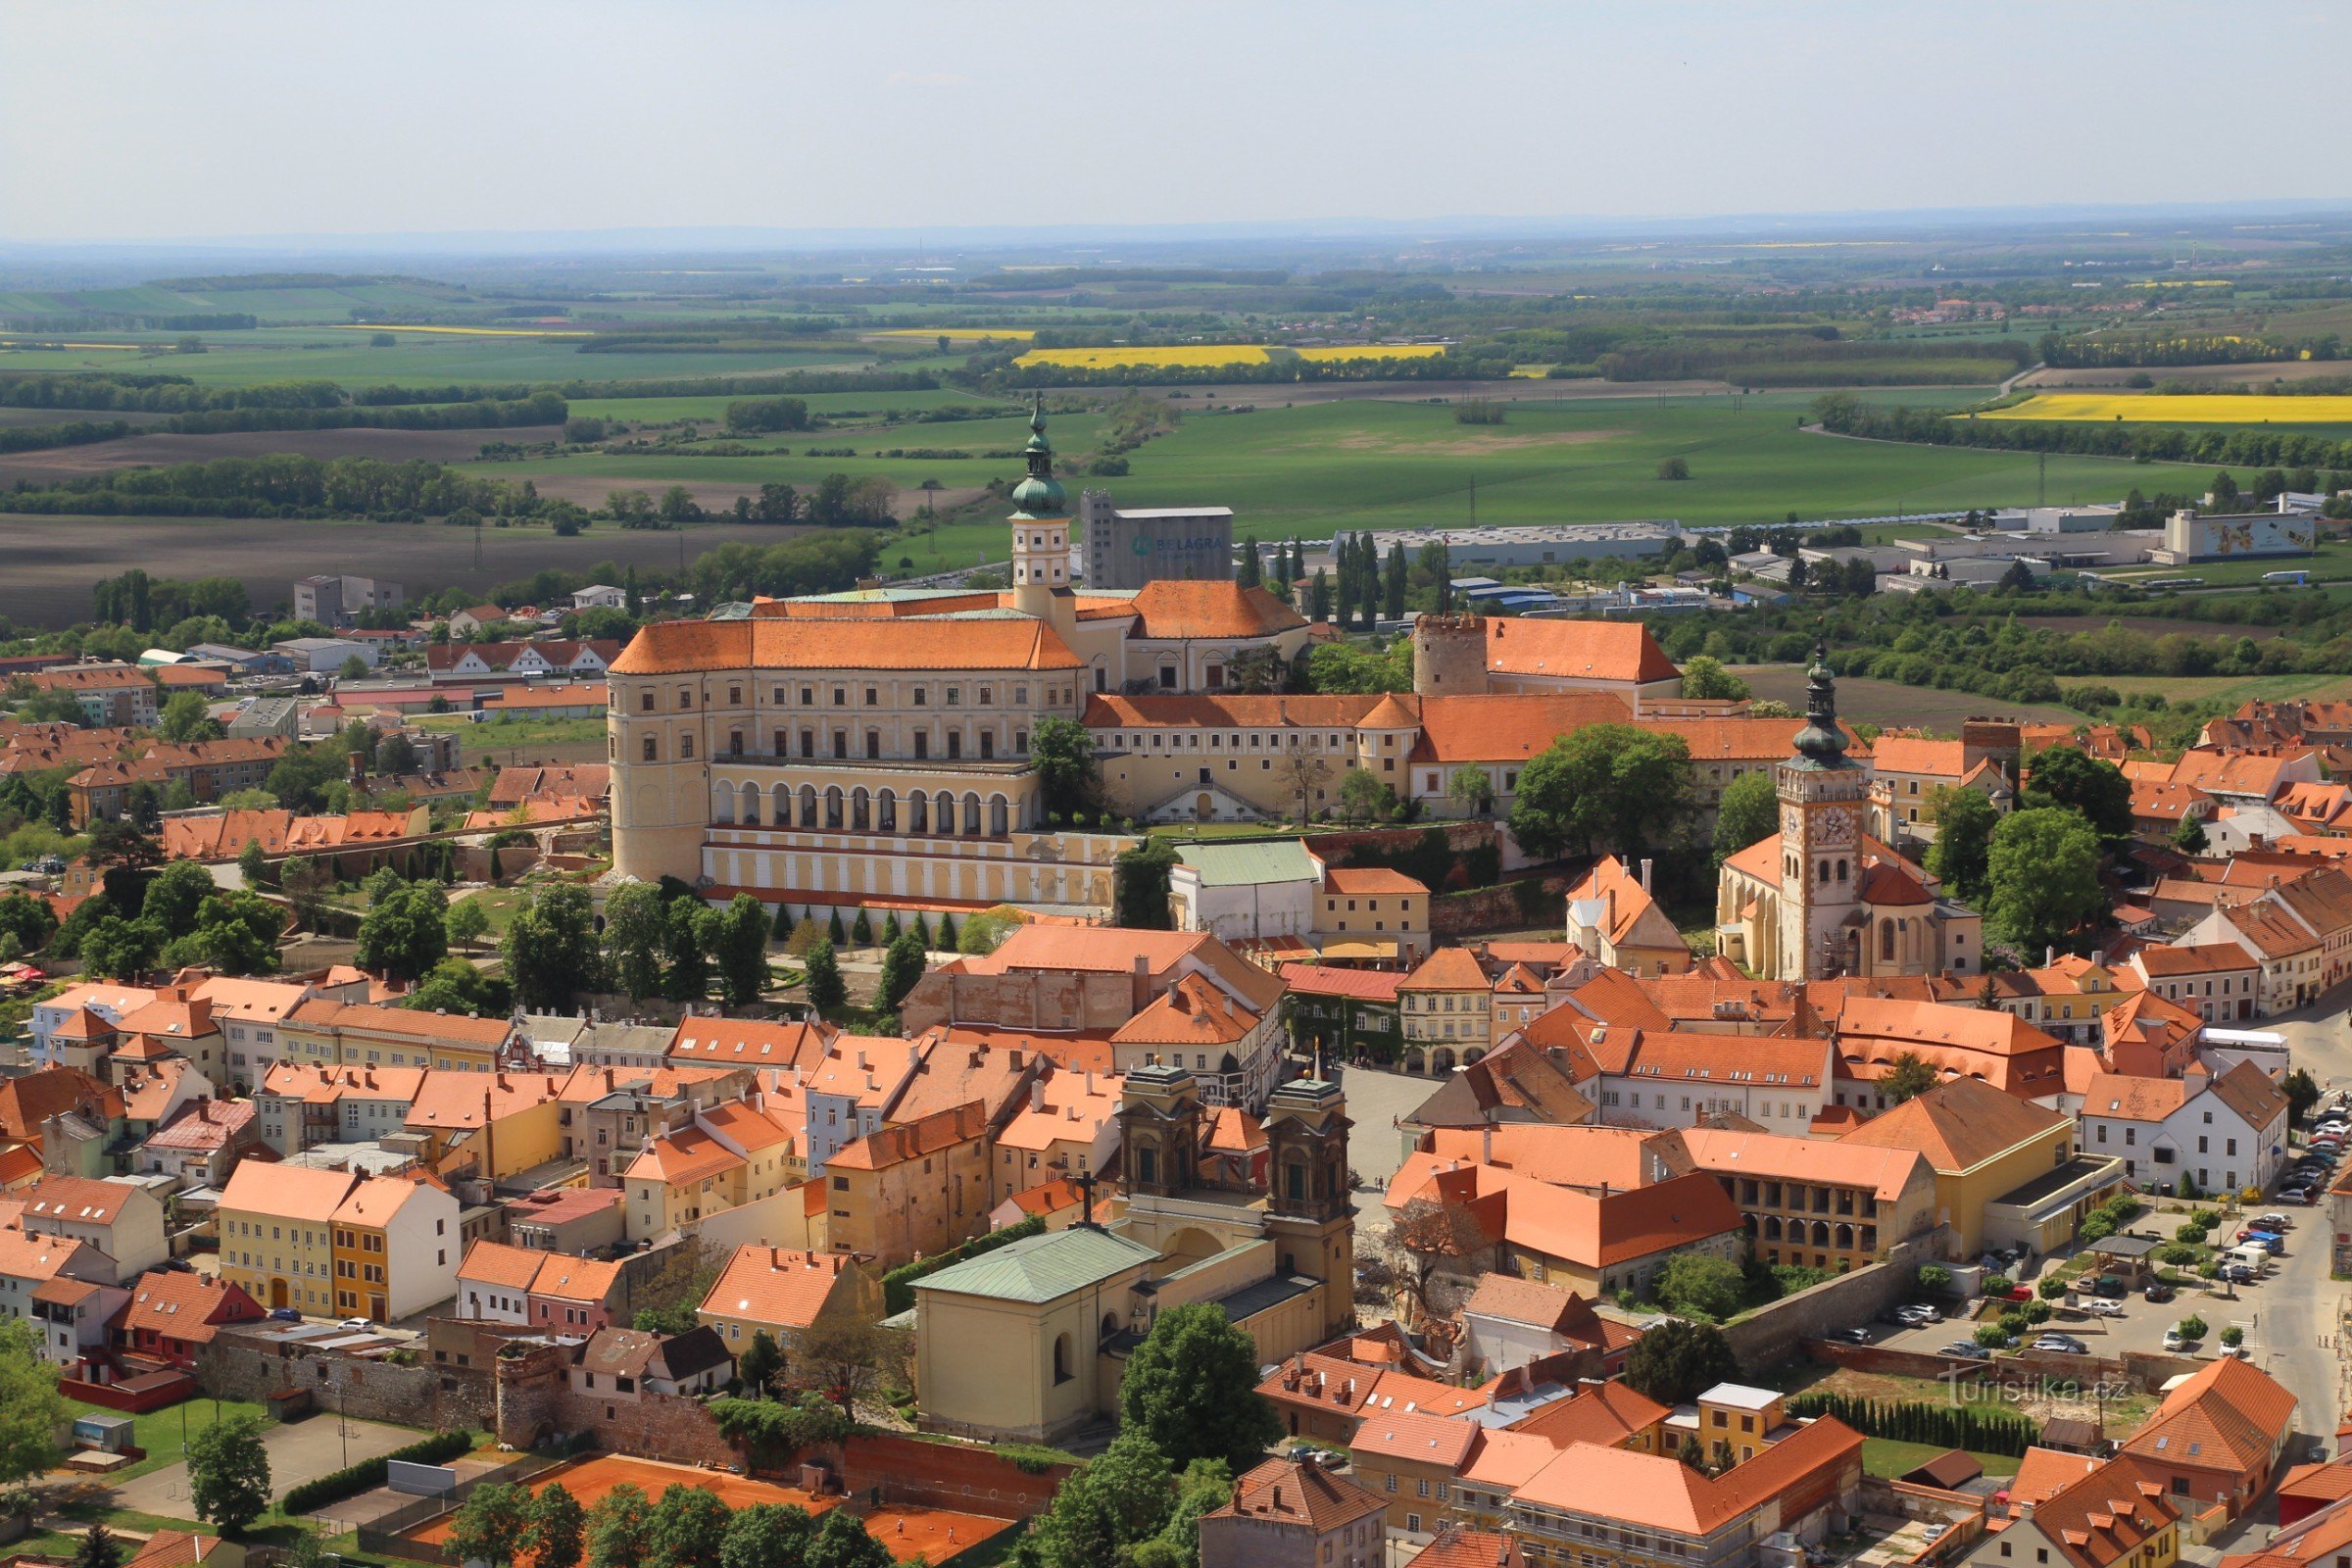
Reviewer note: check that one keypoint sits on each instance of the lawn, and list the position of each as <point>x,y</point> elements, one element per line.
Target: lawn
<point>1888,1457</point>
<point>501,904</point>
<point>160,1432</point>
<point>2232,689</point>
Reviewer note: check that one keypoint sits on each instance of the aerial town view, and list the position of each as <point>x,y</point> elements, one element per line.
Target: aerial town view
<point>779,789</point>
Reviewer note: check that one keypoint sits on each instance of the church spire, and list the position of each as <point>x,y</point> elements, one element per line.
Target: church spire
<point>1039,495</point>
<point>1821,742</point>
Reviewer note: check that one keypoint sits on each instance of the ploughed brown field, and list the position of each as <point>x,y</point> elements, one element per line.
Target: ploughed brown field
<point>51,562</point>
<point>51,463</point>
<point>1889,704</point>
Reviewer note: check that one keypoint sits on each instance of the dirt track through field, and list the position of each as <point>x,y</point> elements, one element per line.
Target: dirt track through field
<point>52,562</point>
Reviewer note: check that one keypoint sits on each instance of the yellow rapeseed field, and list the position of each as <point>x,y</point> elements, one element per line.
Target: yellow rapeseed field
<point>2217,408</point>
<point>1375,351</point>
<point>474,331</point>
<point>1009,334</point>
<point>1190,354</point>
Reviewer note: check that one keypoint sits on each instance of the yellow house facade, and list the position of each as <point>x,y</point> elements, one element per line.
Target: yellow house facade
<point>277,1234</point>
<point>322,1032</point>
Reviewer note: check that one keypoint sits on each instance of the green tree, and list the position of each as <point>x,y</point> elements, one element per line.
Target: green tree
<point>617,1528</point>
<point>1964,823</point>
<point>2189,837</point>
<point>685,933</point>
<point>558,1536</point>
<point>550,949</point>
<point>1908,1076</point>
<point>2302,1092</point>
<point>234,932</point>
<point>635,917</point>
<point>768,1535</point>
<point>739,950</point>
<point>1109,1507</point>
<point>1472,789</point>
<point>1364,797</point>
<point>762,1361</point>
<point>982,933</point>
<point>843,1542</point>
<point>1206,1485</point>
<point>1609,785</point>
<point>98,1549</point>
<point>228,1473</point>
<point>1748,811</point>
<point>1675,1362</point>
<point>2069,777</point>
<point>456,986</point>
<point>685,1529</point>
<point>1692,1283</point>
<point>184,718</point>
<point>468,922</point>
<point>404,932</point>
<point>119,949</point>
<point>1705,677</point>
<point>31,1411</point>
<point>901,966</point>
<point>1140,884</point>
<point>176,892</point>
<point>827,992</point>
<point>1062,750</point>
<point>1191,1388</point>
<point>251,863</point>
<point>781,932</point>
<point>492,1525</point>
<point>2044,875</point>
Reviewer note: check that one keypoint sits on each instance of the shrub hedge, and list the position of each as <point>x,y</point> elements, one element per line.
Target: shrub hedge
<point>368,1474</point>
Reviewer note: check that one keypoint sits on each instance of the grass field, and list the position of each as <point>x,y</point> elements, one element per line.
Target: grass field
<point>331,354</point>
<point>2330,563</point>
<point>1886,703</point>
<point>1887,1458</point>
<point>2192,408</point>
<point>2231,689</point>
<point>832,405</point>
<point>161,1431</point>
<point>1309,469</point>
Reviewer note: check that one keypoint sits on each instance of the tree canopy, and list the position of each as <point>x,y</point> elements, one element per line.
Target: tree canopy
<point>1192,1389</point>
<point>1750,812</point>
<point>1675,1362</point>
<point>2068,776</point>
<point>1964,823</point>
<point>1611,787</point>
<point>2044,874</point>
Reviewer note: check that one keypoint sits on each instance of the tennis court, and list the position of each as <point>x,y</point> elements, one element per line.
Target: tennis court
<point>908,1531</point>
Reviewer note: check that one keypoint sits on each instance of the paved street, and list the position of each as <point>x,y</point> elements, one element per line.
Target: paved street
<point>1376,1100</point>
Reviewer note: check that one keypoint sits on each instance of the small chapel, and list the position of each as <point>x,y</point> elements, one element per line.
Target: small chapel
<point>1822,898</point>
<point>1027,1343</point>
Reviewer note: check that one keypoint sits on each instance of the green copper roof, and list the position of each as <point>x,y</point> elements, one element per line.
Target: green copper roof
<point>1039,495</point>
<point>1228,865</point>
<point>1042,1268</point>
<point>1821,744</point>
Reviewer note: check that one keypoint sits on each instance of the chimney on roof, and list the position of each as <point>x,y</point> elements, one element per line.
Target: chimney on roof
<point>1037,1093</point>
<point>1143,982</point>
<point>1646,873</point>
<point>1486,1143</point>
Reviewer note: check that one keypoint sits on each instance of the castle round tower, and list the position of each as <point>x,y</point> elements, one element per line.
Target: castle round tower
<point>1450,655</point>
<point>1824,796</point>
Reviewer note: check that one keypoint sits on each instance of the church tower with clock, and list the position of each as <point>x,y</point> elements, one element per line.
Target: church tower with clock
<point>1824,797</point>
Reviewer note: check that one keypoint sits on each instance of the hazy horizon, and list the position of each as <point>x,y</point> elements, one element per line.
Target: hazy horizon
<point>258,121</point>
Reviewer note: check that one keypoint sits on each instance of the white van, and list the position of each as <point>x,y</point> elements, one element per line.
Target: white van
<point>2253,1256</point>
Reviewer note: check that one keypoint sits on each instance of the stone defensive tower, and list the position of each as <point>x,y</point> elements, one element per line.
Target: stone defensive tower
<point>1450,655</point>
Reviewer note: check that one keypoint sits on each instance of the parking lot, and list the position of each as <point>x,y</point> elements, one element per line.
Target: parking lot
<point>2135,1323</point>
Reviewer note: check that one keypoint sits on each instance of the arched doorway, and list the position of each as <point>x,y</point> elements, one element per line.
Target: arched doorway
<point>1203,807</point>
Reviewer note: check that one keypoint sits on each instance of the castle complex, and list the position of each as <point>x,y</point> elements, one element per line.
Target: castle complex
<point>871,748</point>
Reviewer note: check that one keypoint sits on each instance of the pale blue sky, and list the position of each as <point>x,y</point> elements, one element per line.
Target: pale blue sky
<point>121,119</point>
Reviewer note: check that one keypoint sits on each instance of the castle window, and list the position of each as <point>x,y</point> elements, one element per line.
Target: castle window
<point>686,747</point>
<point>652,750</point>
<point>645,700</point>
<point>685,697</point>
<point>808,697</point>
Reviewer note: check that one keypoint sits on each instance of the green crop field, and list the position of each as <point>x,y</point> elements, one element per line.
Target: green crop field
<point>1311,470</point>
<point>833,405</point>
<point>342,354</point>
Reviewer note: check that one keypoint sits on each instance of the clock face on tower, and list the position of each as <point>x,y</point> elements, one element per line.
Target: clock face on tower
<point>1836,827</point>
<point>1791,820</point>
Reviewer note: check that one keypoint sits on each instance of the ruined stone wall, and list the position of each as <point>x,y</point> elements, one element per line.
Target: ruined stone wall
<point>237,1367</point>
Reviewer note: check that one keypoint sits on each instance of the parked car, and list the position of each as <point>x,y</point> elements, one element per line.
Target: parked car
<point>284,1314</point>
<point>2108,1285</point>
<point>2015,1293</point>
<point>2159,1292</point>
<point>1851,1335</point>
<point>2272,1222</point>
<point>1967,1351</point>
<point>2294,1195</point>
<point>2173,1340</point>
<point>2238,1274</point>
<point>2258,1232</point>
<point>2100,1307</point>
<point>2061,1344</point>
<point>1918,1314</point>
<point>356,1324</point>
